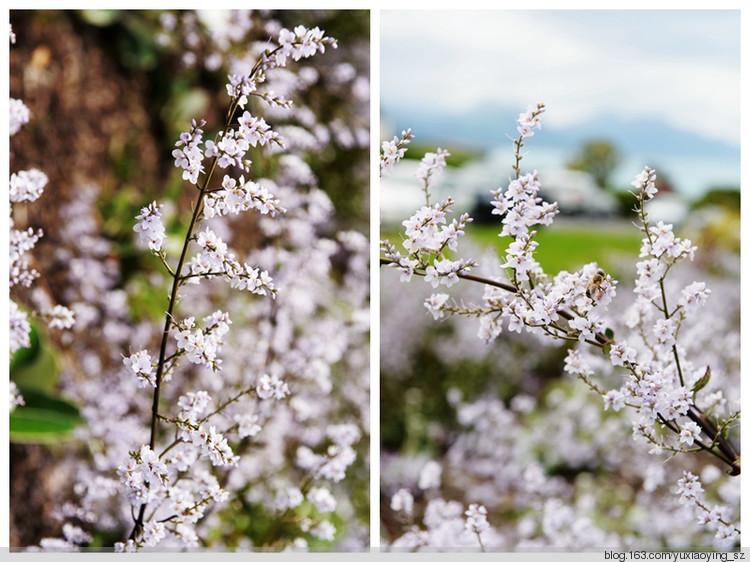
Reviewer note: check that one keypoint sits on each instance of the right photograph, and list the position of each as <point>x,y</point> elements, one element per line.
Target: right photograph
<point>560,280</point>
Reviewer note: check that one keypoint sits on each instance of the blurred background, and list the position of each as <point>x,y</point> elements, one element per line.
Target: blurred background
<point>623,89</point>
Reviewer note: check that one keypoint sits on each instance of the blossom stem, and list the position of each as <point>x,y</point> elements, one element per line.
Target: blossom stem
<point>707,426</point>
<point>165,263</point>
<point>176,282</point>
<point>728,453</point>
<point>165,333</point>
<point>229,401</point>
<point>601,339</point>
<point>667,316</point>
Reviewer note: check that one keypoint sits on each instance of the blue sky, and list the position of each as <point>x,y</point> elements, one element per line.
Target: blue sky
<point>677,67</point>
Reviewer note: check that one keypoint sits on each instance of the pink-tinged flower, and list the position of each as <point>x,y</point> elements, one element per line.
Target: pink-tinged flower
<point>15,396</point>
<point>141,366</point>
<point>19,328</point>
<point>19,116</point>
<point>710,516</point>
<point>272,387</point>
<point>621,354</point>
<point>248,425</point>
<point>476,519</point>
<point>434,304</point>
<point>188,155</point>
<point>664,331</point>
<point>530,120</point>
<point>614,399</point>
<point>393,151</point>
<point>689,433</point>
<point>575,364</point>
<point>689,488</point>
<point>403,501</point>
<point>150,228</point>
<point>431,165</point>
<point>27,185</point>
<point>325,530</point>
<point>429,476</point>
<point>646,183</point>
<point>726,535</point>
<point>60,317</point>
<point>322,499</point>
<point>694,295</point>
<point>193,405</point>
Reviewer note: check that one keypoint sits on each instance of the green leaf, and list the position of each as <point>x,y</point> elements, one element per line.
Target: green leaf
<point>43,419</point>
<point>703,381</point>
<point>38,370</point>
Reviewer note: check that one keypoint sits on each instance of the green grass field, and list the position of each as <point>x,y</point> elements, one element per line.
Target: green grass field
<point>567,244</point>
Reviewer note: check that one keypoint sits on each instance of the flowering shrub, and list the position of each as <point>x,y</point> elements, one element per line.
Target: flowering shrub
<point>671,409</point>
<point>239,418</point>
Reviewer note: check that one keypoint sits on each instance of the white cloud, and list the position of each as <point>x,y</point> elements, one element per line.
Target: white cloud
<point>680,67</point>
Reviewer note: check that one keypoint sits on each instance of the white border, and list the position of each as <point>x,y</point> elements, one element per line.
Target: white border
<point>376,6</point>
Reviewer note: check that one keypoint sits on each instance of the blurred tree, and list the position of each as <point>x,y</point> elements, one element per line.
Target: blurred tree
<point>727,198</point>
<point>598,157</point>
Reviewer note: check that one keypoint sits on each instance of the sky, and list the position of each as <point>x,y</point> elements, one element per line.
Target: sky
<point>679,67</point>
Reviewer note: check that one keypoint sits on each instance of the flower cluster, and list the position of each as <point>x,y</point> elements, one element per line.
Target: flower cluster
<point>271,387</point>
<point>150,228</point>
<point>297,44</point>
<point>215,259</point>
<point>19,116</point>
<point>301,43</point>
<point>236,197</point>
<point>645,183</point>
<point>403,501</point>
<point>21,243</point>
<point>431,165</point>
<point>338,456</point>
<point>15,398</point>
<point>393,151</point>
<point>195,435</point>
<point>691,493</point>
<point>27,185</point>
<point>231,147</point>
<point>476,519</point>
<point>151,480</point>
<point>520,206</point>
<point>188,154</point>
<point>658,388</point>
<point>19,328</point>
<point>429,235</point>
<point>141,366</point>
<point>541,485</point>
<point>447,523</point>
<point>212,445</point>
<point>201,346</point>
<point>145,476</point>
<point>530,120</point>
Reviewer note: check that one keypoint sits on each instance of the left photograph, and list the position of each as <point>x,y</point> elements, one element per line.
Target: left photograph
<point>189,280</point>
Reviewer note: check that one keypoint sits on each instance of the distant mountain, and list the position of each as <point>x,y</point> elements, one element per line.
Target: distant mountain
<point>490,126</point>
